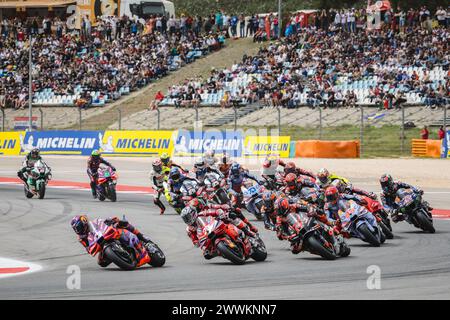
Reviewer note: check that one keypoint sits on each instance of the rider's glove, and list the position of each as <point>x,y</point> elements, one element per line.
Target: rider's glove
<point>421,192</point>
<point>113,169</point>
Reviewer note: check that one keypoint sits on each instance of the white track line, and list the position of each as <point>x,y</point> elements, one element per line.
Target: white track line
<point>11,263</point>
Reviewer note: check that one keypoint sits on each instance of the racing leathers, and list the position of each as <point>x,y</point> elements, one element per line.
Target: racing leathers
<point>93,164</point>
<point>27,165</point>
<point>219,213</point>
<point>388,199</point>
<point>88,240</point>
<point>158,180</point>
<point>173,191</point>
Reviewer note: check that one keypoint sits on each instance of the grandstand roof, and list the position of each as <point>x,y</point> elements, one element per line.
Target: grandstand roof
<point>35,3</point>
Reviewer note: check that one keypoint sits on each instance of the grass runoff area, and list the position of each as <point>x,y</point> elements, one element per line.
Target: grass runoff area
<point>384,141</point>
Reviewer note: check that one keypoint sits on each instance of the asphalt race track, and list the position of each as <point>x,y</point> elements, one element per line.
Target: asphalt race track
<point>413,265</point>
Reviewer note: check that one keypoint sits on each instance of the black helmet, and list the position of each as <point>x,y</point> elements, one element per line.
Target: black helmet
<point>35,152</point>
<point>387,183</point>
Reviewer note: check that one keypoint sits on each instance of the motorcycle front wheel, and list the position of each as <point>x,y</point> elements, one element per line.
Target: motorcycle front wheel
<point>28,194</point>
<point>112,192</point>
<point>317,247</point>
<point>157,257</point>
<point>41,189</point>
<point>368,235</point>
<point>120,257</point>
<point>424,222</point>
<point>259,250</point>
<point>235,254</point>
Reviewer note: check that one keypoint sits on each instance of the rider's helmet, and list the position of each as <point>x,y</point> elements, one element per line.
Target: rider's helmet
<point>339,185</point>
<point>35,153</point>
<point>269,161</point>
<point>282,206</point>
<point>210,153</point>
<point>387,183</point>
<point>235,169</point>
<point>174,174</point>
<point>323,175</point>
<point>80,224</point>
<point>200,163</point>
<point>332,194</point>
<point>289,168</point>
<point>157,166</point>
<point>95,153</point>
<point>290,180</point>
<point>269,198</point>
<point>189,215</point>
<point>165,158</point>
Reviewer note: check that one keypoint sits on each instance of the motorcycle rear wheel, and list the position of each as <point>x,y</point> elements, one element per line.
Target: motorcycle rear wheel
<point>117,259</point>
<point>317,247</point>
<point>368,235</point>
<point>424,223</point>
<point>230,254</point>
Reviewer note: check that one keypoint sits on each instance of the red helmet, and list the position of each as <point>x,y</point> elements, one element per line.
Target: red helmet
<point>290,179</point>
<point>332,194</point>
<point>289,168</point>
<point>282,205</point>
<point>267,163</point>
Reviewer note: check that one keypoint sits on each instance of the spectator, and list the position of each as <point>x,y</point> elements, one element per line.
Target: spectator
<point>159,96</point>
<point>441,133</point>
<point>424,133</point>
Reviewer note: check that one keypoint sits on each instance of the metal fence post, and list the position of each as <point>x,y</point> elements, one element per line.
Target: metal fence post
<point>42,118</point>
<point>279,120</point>
<point>79,111</point>
<point>361,133</point>
<point>445,118</point>
<point>3,119</point>
<point>235,118</point>
<point>196,113</point>
<point>403,130</point>
<point>120,118</point>
<point>320,123</point>
<point>159,117</point>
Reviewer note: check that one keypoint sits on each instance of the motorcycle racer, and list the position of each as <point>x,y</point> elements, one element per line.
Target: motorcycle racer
<point>158,177</point>
<point>30,159</point>
<point>210,159</point>
<point>389,192</point>
<point>168,163</point>
<point>201,168</point>
<point>270,165</point>
<point>174,183</point>
<point>224,165</point>
<point>290,167</point>
<point>80,225</point>
<point>190,214</point>
<point>349,189</point>
<point>324,178</point>
<point>93,163</point>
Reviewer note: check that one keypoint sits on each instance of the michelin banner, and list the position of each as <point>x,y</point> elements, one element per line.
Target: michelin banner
<point>10,143</point>
<point>445,149</point>
<point>60,142</point>
<point>136,143</point>
<point>195,143</point>
<point>257,146</point>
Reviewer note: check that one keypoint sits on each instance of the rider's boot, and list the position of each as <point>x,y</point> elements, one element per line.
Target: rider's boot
<point>94,190</point>
<point>161,206</point>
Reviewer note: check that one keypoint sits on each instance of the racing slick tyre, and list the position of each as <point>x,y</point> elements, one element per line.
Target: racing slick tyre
<point>424,222</point>
<point>317,247</point>
<point>112,194</point>
<point>235,254</point>
<point>157,257</point>
<point>385,229</point>
<point>345,250</point>
<point>259,251</point>
<point>28,194</point>
<point>41,192</point>
<point>369,236</point>
<point>120,257</point>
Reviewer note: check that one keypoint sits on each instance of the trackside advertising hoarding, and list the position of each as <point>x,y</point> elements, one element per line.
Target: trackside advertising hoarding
<point>10,143</point>
<point>195,143</point>
<point>60,142</point>
<point>445,148</point>
<point>136,143</point>
<point>257,146</point>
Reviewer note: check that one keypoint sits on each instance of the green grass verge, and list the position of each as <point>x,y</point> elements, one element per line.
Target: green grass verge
<point>382,142</point>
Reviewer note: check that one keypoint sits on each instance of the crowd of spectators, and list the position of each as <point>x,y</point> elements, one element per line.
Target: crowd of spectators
<point>117,52</point>
<point>314,59</point>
